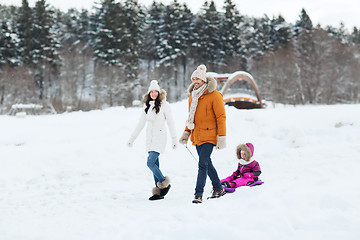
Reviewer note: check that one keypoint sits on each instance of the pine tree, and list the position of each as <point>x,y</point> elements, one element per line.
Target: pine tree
<point>131,41</point>
<point>8,50</point>
<point>9,40</point>
<point>118,43</point>
<point>107,51</point>
<point>107,34</point>
<point>259,42</point>
<point>233,48</point>
<point>44,50</point>
<point>305,50</point>
<point>340,33</point>
<point>230,29</point>
<point>74,26</point>
<point>208,44</point>
<point>84,25</point>
<point>355,36</point>
<point>174,33</point>
<point>174,43</point>
<point>169,44</point>
<point>303,33</point>
<point>152,31</point>
<point>303,24</point>
<point>279,33</point>
<point>25,28</point>
<point>168,40</point>
<point>118,38</point>
<point>186,39</point>
<point>44,43</point>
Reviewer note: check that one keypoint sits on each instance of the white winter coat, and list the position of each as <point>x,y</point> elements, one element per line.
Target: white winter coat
<point>156,132</point>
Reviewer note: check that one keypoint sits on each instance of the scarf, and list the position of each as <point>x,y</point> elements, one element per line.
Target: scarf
<point>150,116</point>
<point>196,94</point>
<point>244,162</point>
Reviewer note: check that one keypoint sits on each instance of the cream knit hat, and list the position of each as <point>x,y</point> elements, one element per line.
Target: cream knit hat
<point>154,86</point>
<point>200,72</point>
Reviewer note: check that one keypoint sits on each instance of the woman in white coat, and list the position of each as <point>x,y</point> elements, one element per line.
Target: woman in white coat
<point>155,113</point>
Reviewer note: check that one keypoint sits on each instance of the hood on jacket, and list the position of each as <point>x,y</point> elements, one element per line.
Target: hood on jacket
<point>211,85</point>
<point>246,148</point>
<point>162,96</point>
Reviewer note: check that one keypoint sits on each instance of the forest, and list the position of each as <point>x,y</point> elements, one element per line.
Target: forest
<point>92,59</point>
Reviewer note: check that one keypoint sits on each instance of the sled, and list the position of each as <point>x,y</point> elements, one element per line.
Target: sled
<point>238,94</point>
<point>251,184</point>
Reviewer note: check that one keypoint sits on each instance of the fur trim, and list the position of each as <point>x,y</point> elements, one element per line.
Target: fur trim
<point>243,147</point>
<point>211,85</point>
<point>156,191</point>
<point>162,97</point>
<point>164,184</point>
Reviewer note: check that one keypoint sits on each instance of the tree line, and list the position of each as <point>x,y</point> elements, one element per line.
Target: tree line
<point>82,59</point>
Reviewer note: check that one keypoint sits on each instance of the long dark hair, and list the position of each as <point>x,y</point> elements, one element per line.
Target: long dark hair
<point>157,103</point>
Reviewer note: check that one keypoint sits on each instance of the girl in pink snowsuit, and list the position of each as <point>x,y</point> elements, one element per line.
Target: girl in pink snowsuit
<point>248,169</point>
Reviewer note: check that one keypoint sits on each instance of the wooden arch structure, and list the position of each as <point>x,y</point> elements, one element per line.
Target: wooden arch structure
<point>240,102</point>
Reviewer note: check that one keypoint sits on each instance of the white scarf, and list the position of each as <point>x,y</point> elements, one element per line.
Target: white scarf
<point>243,162</point>
<point>150,116</point>
<point>196,94</point>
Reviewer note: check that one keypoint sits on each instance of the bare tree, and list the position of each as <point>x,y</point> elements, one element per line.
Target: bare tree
<point>17,85</point>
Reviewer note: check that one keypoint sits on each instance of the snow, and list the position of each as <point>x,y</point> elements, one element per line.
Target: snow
<point>71,176</point>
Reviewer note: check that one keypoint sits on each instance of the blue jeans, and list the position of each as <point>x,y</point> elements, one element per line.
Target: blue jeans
<point>206,168</point>
<point>153,164</point>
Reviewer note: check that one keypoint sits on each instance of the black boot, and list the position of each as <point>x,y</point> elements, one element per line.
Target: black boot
<point>156,194</point>
<point>156,197</point>
<point>164,191</point>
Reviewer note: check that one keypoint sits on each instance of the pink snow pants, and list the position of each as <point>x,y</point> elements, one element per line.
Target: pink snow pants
<point>242,181</point>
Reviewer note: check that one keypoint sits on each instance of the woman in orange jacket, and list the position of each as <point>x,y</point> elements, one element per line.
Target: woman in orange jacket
<point>206,124</point>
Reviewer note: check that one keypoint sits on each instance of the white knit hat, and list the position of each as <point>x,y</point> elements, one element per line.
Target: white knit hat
<point>154,86</point>
<point>200,72</point>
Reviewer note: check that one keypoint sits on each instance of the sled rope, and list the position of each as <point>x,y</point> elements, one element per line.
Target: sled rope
<point>190,152</point>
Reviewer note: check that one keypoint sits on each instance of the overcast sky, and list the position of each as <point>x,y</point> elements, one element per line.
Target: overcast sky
<point>325,12</point>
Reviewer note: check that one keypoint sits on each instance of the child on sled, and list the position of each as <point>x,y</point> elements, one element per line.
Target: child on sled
<point>248,171</point>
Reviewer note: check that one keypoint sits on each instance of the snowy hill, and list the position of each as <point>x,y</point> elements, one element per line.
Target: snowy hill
<point>71,176</point>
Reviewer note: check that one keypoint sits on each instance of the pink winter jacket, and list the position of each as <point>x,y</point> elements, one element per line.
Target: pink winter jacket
<point>251,170</point>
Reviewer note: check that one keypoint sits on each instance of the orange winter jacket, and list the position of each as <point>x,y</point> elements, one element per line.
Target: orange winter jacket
<point>210,117</point>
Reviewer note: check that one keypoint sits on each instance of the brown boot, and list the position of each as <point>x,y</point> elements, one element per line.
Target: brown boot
<point>197,199</point>
<point>216,193</point>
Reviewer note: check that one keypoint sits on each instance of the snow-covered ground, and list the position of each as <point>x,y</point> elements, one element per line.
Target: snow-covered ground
<point>71,176</point>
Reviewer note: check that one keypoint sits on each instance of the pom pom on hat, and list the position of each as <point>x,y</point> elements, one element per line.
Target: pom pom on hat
<point>154,86</point>
<point>201,67</point>
<point>200,72</point>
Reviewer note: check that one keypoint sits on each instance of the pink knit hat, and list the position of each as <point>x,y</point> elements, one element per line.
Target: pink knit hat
<point>251,148</point>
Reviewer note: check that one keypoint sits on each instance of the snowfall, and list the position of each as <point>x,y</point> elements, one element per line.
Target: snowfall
<point>72,176</point>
